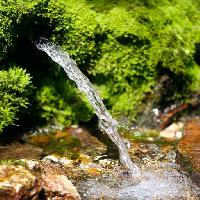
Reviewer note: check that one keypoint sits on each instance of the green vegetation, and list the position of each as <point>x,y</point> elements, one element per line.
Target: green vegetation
<point>14,85</point>
<point>13,162</point>
<point>60,143</point>
<point>133,51</point>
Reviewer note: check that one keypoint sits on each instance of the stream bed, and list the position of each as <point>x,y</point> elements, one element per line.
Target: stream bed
<point>94,169</point>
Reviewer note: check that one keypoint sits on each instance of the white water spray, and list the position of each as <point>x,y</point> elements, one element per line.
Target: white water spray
<point>106,123</point>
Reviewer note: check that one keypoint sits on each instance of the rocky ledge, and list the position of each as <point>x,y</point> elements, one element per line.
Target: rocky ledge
<point>18,183</point>
<point>189,148</point>
<point>35,181</point>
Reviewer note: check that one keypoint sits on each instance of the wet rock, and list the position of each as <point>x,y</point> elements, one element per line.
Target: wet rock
<point>69,142</point>
<point>88,141</point>
<point>172,132</point>
<point>84,159</point>
<point>59,187</point>
<point>18,151</point>
<point>17,183</point>
<point>93,171</point>
<point>190,143</point>
<point>32,165</point>
<point>59,160</point>
<point>150,139</point>
<point>56,184</point>
<point>169,113</point>
<point>179,135</point>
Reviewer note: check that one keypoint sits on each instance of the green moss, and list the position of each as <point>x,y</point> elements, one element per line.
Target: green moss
<point>143,135</point>
<point>63,147</point>
<point>60,103</point>
<point>13,162</point>
<point>60,143</point>
<point>124,47</point>
<point>11,14</point>
<point>14,86</point>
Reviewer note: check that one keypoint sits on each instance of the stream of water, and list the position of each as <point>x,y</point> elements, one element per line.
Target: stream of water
<point>106,123</point>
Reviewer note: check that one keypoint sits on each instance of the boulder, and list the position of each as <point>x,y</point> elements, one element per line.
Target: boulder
<point>55,183</point>
<point>58,187</point>
<point>17,183</point>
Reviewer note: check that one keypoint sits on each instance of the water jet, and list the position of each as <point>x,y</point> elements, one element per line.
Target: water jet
<point>107,124</point>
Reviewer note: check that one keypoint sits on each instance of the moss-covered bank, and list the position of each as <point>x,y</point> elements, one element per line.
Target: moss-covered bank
<point>131,50</point>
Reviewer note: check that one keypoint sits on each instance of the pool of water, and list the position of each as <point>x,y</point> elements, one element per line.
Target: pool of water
<point>158,181</point>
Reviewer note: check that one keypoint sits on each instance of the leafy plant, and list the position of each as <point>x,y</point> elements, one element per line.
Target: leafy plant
<point>14,85</point>
<point>124,47</point>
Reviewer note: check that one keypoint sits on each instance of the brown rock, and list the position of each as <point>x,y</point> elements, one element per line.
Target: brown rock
<point>170,112</point>
<point>190,143</point>
<point>85,137</point>
<point>18,151</point>
<point>56,184</point>
<point>16,183</point>
<point>59,187</point>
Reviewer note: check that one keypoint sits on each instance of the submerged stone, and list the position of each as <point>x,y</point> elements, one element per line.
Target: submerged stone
<point>56,142</point>
<point>70,142</point>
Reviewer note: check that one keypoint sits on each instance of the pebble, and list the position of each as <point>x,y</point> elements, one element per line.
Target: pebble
<point>173,131</point>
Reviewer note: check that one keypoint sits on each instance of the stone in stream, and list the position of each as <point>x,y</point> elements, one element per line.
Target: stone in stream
<point>18,183</point>
<point>68,142</point>
<point>58,187</point>
<point>172,132</point>
<point>46,181</point>
<point>55,183</point>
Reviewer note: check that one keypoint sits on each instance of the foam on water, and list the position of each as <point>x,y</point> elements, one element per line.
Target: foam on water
<point>106,123</point>
<point>165,182</point>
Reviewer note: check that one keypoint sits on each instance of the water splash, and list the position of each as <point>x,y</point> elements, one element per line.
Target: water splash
<point>163,181</point>
<point>106,123</point>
